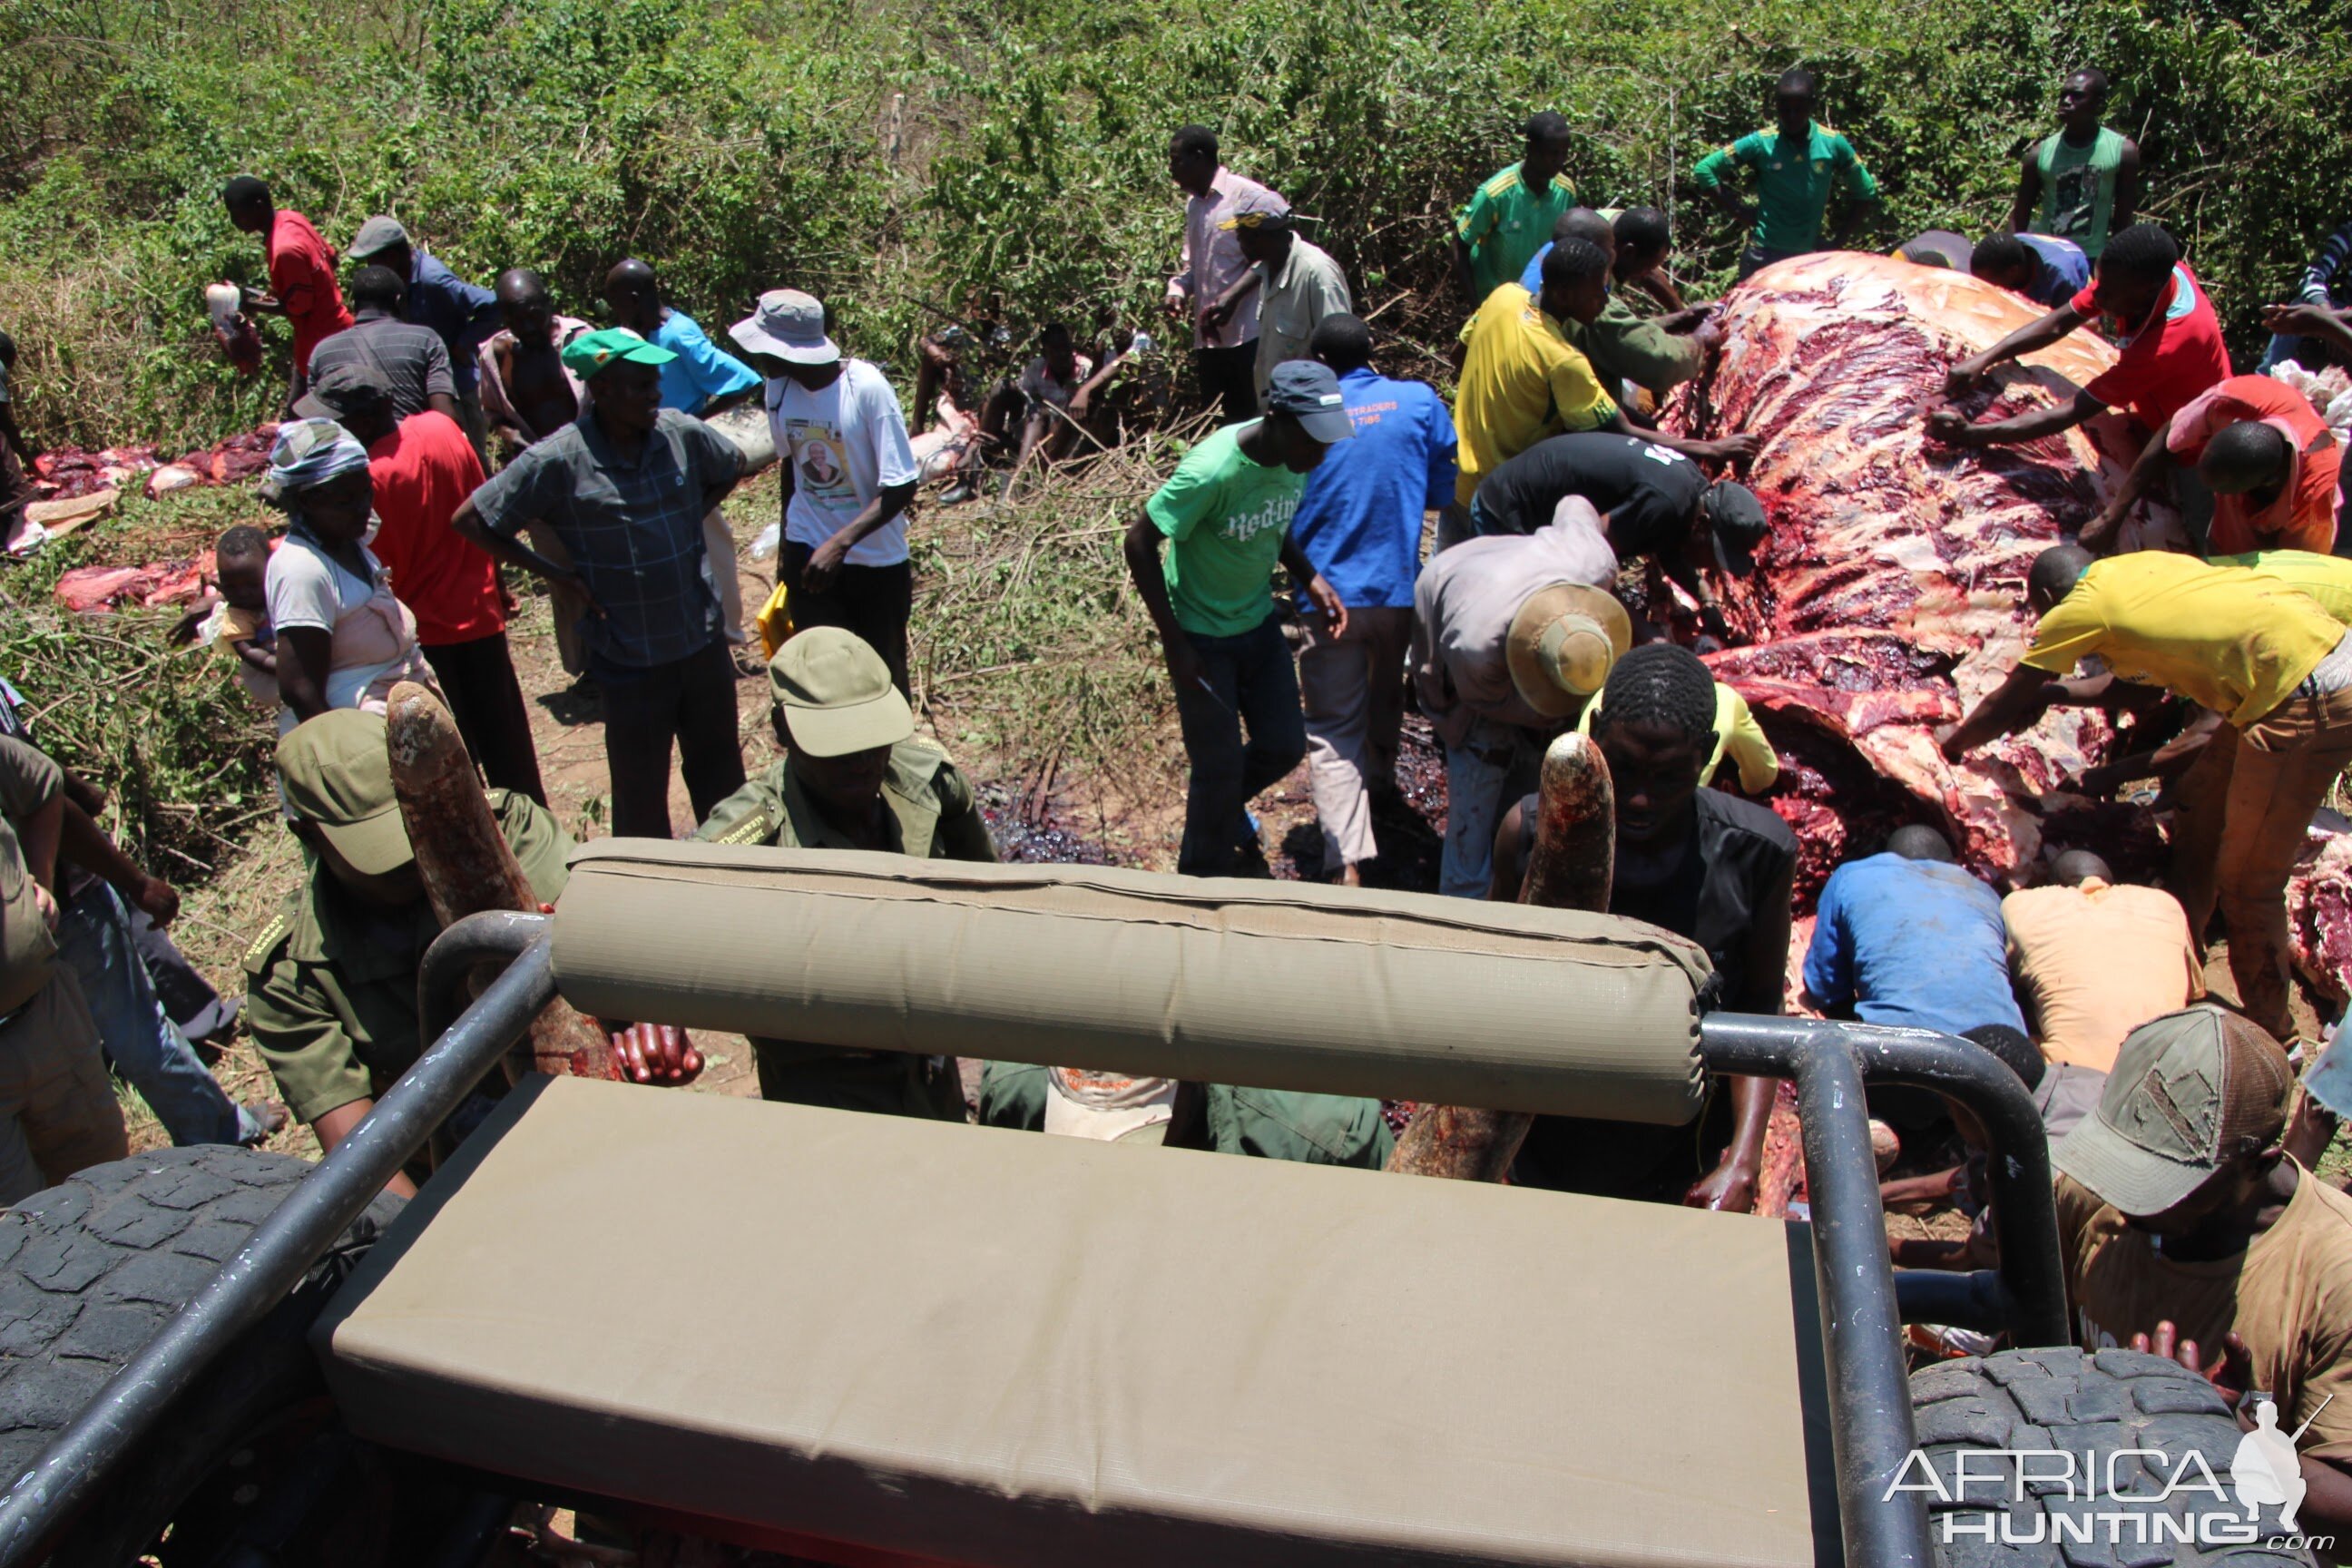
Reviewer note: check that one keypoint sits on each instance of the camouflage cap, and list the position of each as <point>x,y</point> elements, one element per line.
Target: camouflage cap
<point>337,775</point>
<point>2189,1092</point>
<point>1257,209</point>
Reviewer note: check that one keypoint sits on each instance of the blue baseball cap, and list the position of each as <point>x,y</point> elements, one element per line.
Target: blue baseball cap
<point>1307,391</point>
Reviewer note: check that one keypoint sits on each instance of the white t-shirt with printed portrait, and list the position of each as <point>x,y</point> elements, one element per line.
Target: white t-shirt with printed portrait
<point>845,444</point>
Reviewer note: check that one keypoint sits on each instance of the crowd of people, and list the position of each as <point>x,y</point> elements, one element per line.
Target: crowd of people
<point>438,431</point>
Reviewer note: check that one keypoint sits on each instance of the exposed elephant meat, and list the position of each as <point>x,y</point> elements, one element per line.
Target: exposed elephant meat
<point>1891,592</point>
<point>2319,908</point>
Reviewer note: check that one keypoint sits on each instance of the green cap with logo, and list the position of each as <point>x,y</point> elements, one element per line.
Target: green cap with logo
<point>338,778</point>
<point>589,352</point>
<point>835,694</point>
<point>2189,1092</point>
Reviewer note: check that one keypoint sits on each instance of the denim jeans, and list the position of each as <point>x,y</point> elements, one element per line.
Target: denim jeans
<point>146,1046</point>
<point>1254,687</point>
<point>1484,777</point>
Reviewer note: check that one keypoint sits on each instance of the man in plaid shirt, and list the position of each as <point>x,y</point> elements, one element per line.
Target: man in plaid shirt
<point>625,487</point>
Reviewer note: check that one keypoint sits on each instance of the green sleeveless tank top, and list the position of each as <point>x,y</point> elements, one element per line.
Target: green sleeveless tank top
<point>2078,188</point>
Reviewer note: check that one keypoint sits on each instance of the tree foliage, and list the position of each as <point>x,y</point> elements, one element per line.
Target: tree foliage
<point>898,158</point>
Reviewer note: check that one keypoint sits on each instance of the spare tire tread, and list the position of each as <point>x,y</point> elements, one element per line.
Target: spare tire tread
<point>2070,1399</point>
<point>91,1268</point>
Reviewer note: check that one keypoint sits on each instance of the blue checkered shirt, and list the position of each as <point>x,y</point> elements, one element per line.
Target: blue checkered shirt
<point>634,530</point>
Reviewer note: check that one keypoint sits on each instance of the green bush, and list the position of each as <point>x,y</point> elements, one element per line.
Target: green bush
<point>896,159</point>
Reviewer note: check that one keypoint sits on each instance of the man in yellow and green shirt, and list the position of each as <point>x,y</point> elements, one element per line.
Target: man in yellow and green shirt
<point>1798,165</point>
<point>2265,656</point>
<point>1510,217</point>
<point>1522,379</point>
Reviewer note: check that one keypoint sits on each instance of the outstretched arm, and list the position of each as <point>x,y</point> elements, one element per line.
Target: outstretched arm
<point>2031,338</point>
<point>1729,449</point>
<point>2016,702</point>
<point>2154,461</point>
<point>1952,428</point>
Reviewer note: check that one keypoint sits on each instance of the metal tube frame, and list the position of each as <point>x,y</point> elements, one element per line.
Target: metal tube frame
<point>1871,1427</point>
<point>45,1501</point>
<point>1870,1431</point>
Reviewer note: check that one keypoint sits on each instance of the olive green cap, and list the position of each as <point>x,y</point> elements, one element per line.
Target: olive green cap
<point>836,695</point>
<point>338,777</point>
<point>2189,1092</point>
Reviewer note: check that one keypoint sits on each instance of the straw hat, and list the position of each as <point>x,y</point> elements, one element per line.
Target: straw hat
<point>1562,644</point>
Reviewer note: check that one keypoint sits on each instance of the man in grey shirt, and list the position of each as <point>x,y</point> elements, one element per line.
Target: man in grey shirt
<point>1299,286</point>
<point>412,360</point>
<point>1512,634</point>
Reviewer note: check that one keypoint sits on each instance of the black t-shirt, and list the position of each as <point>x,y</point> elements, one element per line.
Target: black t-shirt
<point>1740,862</point>
<point>1649,494</point>
<point>1745,862</point>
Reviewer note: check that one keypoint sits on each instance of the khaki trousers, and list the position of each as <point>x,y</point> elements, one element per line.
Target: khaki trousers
<point>57,1109</point>
<point>2246,803</point>
<point>1352,688</point>
<point>564,604</point>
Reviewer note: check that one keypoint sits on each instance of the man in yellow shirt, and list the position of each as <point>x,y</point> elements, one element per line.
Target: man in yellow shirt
<point>2093,959</point>
<point>2326,578</point>
<point>1522,380</point>
<point>2264,657</point>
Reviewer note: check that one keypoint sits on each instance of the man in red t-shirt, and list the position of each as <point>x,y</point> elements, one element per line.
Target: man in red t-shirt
<point>424,468</point>
<point>2148,305</point>
<point>2264,452</point>
<point>301,272</point>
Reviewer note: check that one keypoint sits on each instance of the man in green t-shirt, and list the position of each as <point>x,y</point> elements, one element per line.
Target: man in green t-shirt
<point>2082,183</point>
<point>1225,514</point>
<point>1798,163</point>
<point>1510,217</point>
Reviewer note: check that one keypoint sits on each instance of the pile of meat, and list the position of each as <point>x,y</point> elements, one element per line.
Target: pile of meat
<point>95,590</point>
<point>65,472</point>
<point>62,473</point>
<point>1891,594</point>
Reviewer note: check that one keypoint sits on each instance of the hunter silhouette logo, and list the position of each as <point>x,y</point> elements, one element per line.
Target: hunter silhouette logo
<point>2264,1468</point>
<point>2108,1499</point>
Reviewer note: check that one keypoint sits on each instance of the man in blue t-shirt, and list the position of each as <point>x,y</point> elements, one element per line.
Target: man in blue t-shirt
<point>1906,937</point>
<point>2041,267</point>
<point>1360,521</point>
<point>703,380</point>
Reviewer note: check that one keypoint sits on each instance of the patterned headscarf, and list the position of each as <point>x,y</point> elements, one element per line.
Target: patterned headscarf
<point>308,453</point>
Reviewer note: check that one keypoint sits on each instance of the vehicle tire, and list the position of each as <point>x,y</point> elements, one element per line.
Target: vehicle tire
<point>89,1271</point>
<point>2074,1401</point>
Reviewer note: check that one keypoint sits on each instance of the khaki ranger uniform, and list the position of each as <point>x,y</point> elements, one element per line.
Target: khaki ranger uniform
<point>935,818</point>
<point>58,1110</point>
<point>330,984</point>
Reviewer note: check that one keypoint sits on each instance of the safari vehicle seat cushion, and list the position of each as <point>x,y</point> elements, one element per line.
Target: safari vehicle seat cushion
<point>972,1346</point>
<point>1280,985</point>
